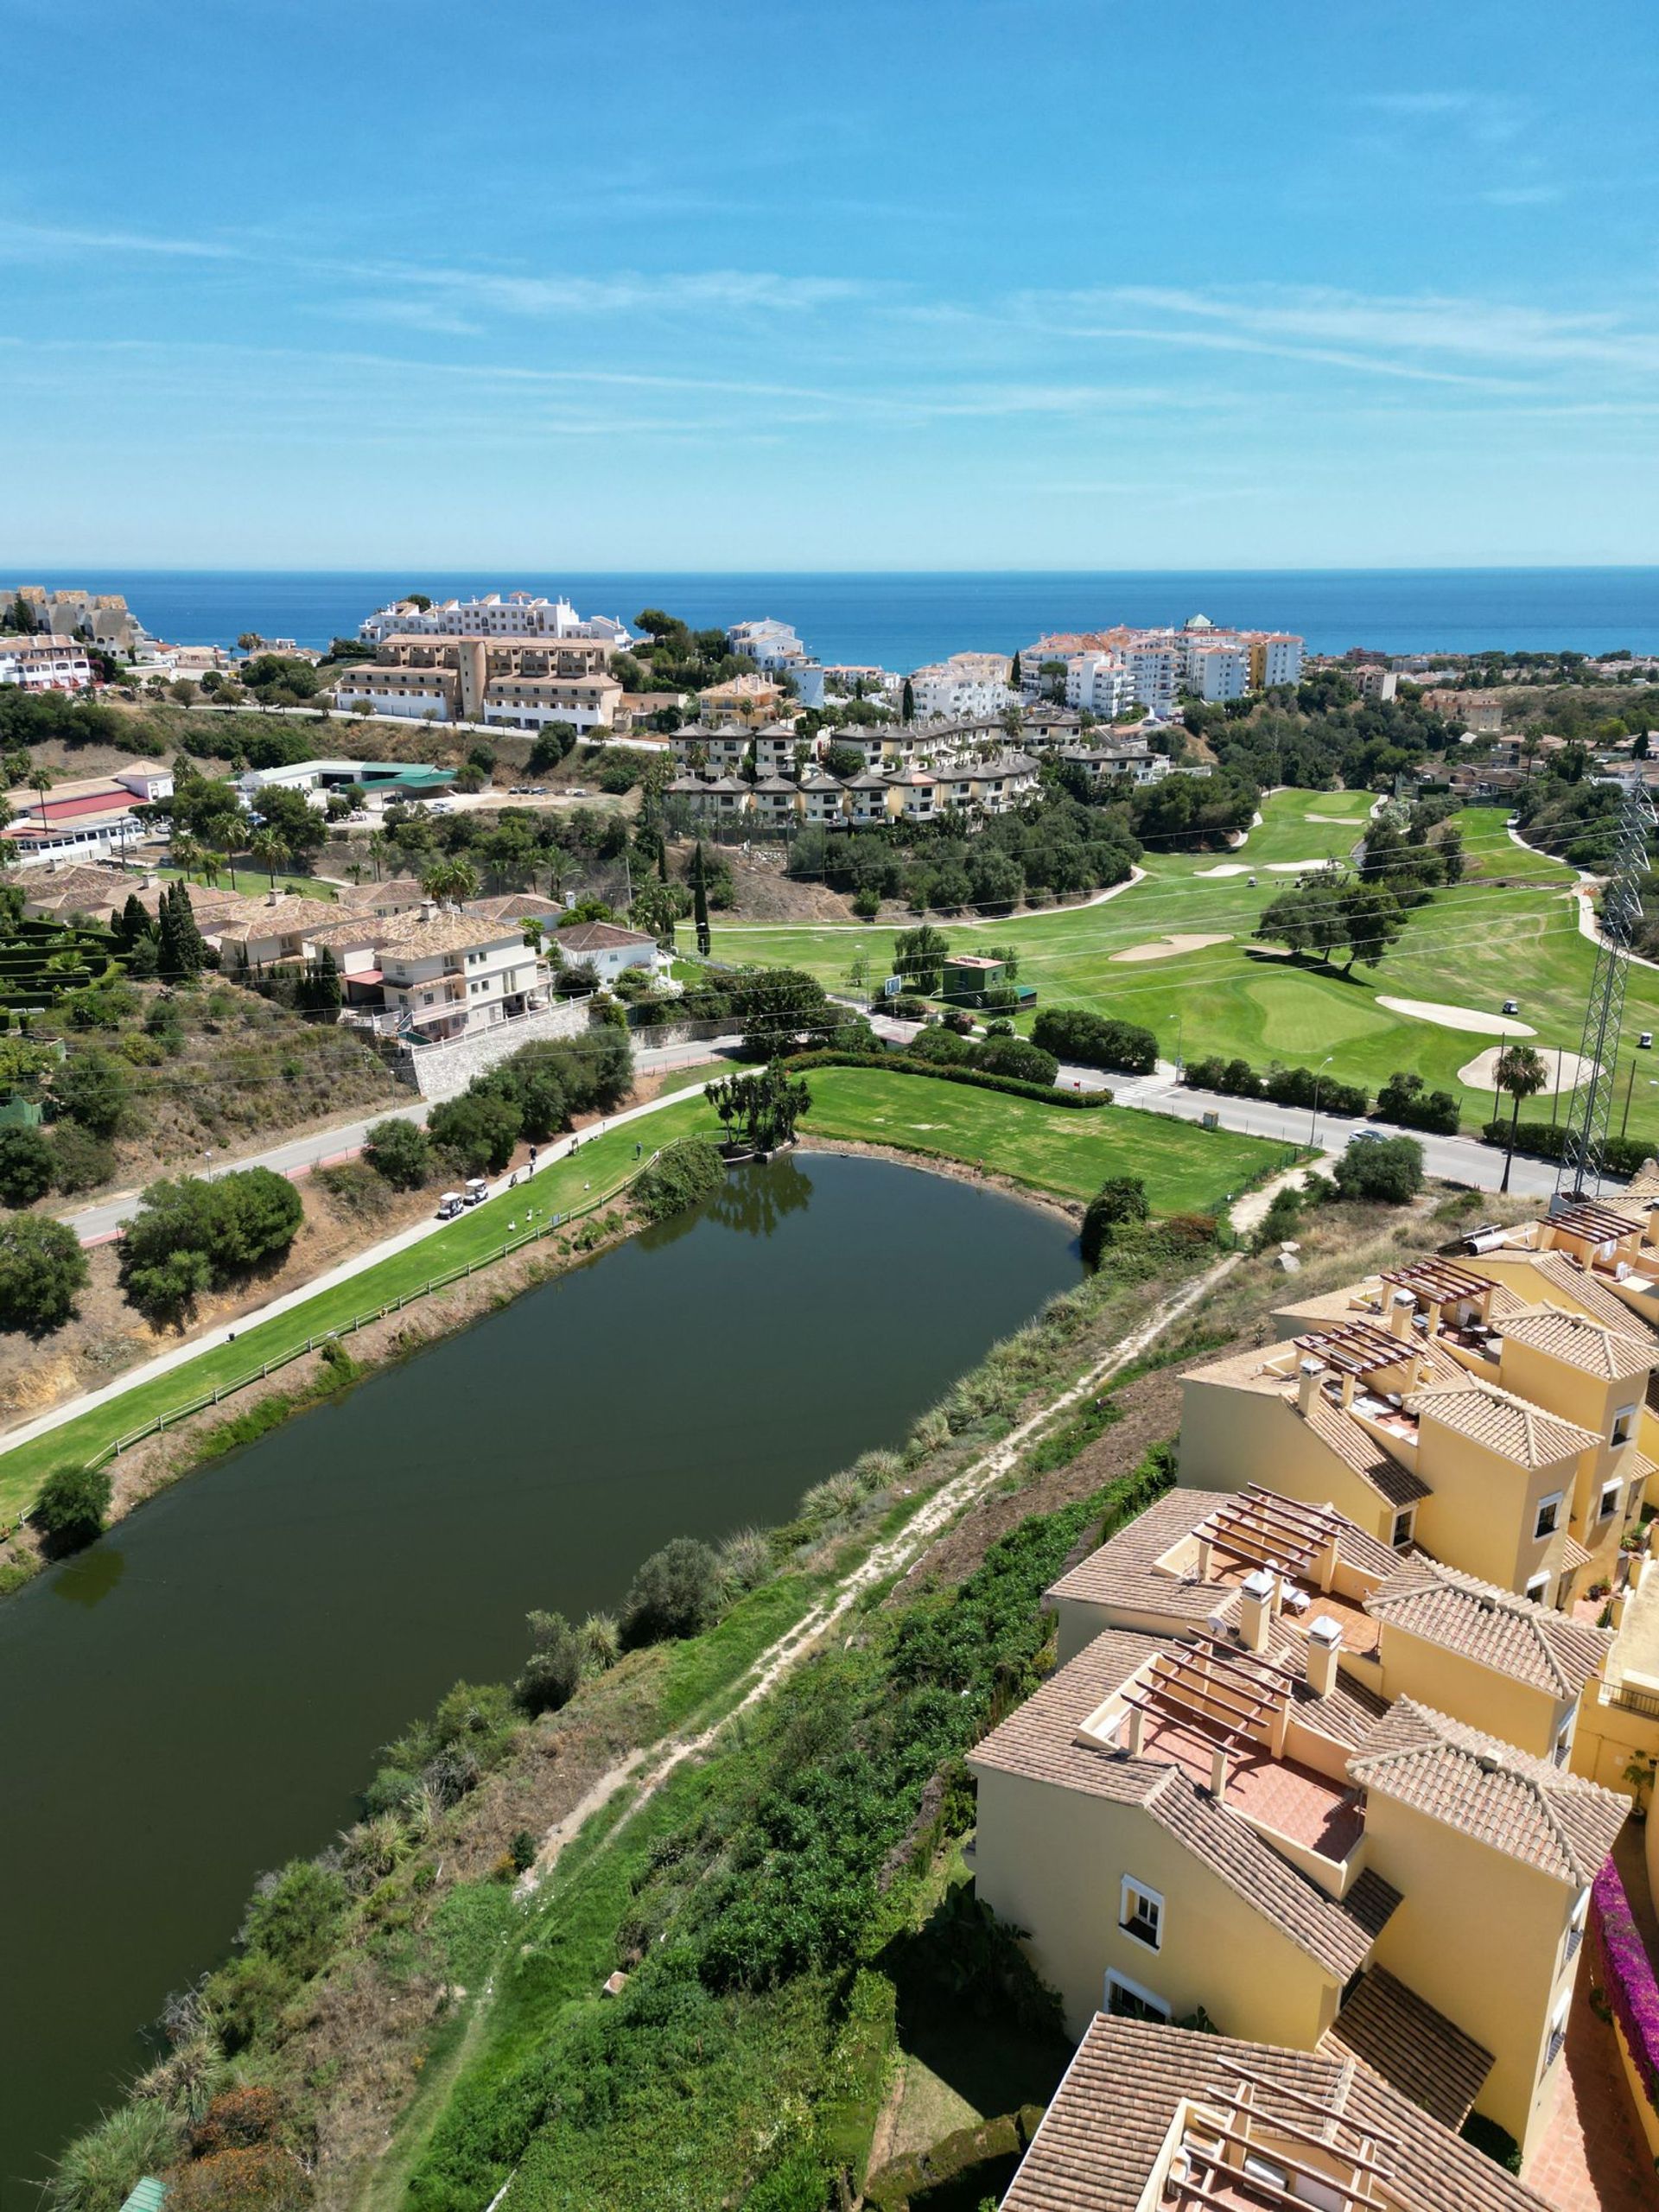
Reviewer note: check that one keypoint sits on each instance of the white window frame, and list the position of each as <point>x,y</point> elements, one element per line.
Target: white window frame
<point>1607,1506</point>
<point>1132,1893</point>
<point>1538,1589</point>
<point>1551,1504</point>
<point>1149,1997</point>
<point>1625,1417</point>
<point>1405,1528</point>
<point>1556,2036</point>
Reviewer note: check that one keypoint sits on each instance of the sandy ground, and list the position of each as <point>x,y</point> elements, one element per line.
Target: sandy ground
<point>1347,821</point>
<point>1296,867</point>
<point>1481,1072</point>
<point>1167,947</point>
<point>1227,868</point>
<point>1459,1017</point>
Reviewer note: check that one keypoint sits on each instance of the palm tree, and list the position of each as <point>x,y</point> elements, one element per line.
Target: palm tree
<point>1521,1072</point>
<point>355,871</point>
<point>269,848</point>
<point>379,846</point>
<point>208,864</point>
<point>451,882</point>
<point>187,854</point>
<point>228,843</point>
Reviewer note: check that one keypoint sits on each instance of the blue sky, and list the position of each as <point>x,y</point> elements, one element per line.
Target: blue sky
<point>1053,284</point>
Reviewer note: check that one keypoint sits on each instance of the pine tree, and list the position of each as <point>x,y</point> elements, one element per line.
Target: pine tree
<point>131,923</point>
<point>700,899</point>
<point>1014,677</point>
<point>192,949</point>
<point>908,703</point>
<point>170,963</point>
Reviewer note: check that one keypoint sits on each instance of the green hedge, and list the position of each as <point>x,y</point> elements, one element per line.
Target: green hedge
<point>905,1063</point>
<point>1547,1140</point>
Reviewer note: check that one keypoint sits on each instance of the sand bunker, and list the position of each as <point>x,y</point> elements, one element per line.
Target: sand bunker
<point>1295,867</point>
<point>1481,1072</point>
<point>1227,868</point>
<point>1167,948</point>
<point>1459,1017</point>
<point>1348,820</point>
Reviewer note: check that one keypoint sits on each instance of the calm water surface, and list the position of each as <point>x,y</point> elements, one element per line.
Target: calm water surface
<point>902,620</point>
<point>199,1696</point>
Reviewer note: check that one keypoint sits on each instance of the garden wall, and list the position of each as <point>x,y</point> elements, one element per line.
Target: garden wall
<point>443,1071</point>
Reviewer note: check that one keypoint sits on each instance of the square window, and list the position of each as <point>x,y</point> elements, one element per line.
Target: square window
<point>1624,1424</point>
<point>1126,2000</point>
<point>1538,1588</point>
<point>1550,1517</point>
<point>1609,1502</point>
<point>1140,1913</point>
<point>1404,1523</point>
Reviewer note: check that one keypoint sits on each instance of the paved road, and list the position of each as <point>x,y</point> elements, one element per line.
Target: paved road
<point>95,1224</point>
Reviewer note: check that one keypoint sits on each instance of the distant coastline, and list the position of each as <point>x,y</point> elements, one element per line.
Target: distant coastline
<point>907,618</point>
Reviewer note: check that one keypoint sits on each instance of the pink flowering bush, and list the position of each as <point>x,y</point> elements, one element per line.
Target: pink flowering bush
<point>1632,1991</point>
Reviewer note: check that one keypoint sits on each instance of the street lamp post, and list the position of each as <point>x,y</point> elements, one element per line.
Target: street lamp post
<point>1178,1019</point>
<point>1314,1120</point>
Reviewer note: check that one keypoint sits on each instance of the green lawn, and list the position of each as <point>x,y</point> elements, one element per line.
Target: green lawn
<point>251,880</point>
<point>1065,1149</point>
<point>602,1165</point>
<point>1482,942</point>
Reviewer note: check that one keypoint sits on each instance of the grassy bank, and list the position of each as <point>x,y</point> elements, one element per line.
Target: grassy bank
<point>1186,1169</point>
<point>602,1165</point>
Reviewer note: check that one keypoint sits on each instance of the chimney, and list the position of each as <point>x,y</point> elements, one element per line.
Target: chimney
<point>1401,1307</point>
<point>272,895</point>
<point>1324,1643</point>
<point>1256,1607</point>
<point>1348,1387</point>
<point>1308,1382</point>
<point>428,909</point>
<point>1219,1764</point>
<point>1137,1730</point>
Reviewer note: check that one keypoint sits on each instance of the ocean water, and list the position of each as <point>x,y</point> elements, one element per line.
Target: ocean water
<point>902,620</point>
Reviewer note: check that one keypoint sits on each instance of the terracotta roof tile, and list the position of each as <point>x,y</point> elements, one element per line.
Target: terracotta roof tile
<point>1526,1808</point>
<point>1513,1427</point>
<point>1616,1354</point>
<point>1359,1449</point>
<point>1103,2134</point>
<point>1416,2050</point>
<point>1531,1643</point>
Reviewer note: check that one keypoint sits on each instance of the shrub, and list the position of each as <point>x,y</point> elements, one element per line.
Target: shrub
<point>295,1919</point>
<point>100,2168</point>
<point>25,1167</point>
<point>261,2178</point>
<point>1387,1171</point>
<point>400,1152</point>
<point>354,1191</point>
<point>675,1592</point>
<point>478,1130</point>
<point>190,1233</point>
<point>1027,1062</point>
<point>1632,1991</point>
<point>91,1089</point>
<point>909,1063</point>
<point>1119,1203</point>
<point>41,1268</point>
<point>1544,1141</point>
<point>1312,1087</point>
<point>1403,1098</point>
<point>1094,1041</point>
<point>684,1175</point>
<point>72,1506</point>
<point>81,1162</point>
<point>554,1668</point>
<point>236,2120</point>
<point>866,904</point>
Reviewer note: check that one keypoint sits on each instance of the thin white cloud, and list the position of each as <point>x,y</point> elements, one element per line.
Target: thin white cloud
<point>20,240</point>
<point>1491,119</point>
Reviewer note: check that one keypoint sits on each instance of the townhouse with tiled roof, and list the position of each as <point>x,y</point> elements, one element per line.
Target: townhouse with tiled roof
<point>1150,2116</point>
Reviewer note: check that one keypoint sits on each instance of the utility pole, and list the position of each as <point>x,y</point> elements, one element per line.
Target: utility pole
<point>1583,1150</point>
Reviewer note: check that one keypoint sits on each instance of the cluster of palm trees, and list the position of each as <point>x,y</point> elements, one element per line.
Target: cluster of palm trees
<point>762,1109</point>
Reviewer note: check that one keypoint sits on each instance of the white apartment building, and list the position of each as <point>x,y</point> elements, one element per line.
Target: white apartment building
<point>1275,658</point>
<point>48,662</point>
<point>966,684</point>
<point>1099,683</point>
<point>510,683</point>
<point>1221,671</point>
<point>509,614</point>
<point>1372,681</point>
<point>1157,670</point>
<point>446,975</point>
<point>767,643</point>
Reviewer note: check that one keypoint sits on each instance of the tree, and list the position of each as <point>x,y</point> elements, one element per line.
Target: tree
<point>1521,1071</point>
<point>675,1592</point>
<point>270,850</point>
<point>189,1233</point>
<point>1120,1202</point>
<point>918,956</point>
<point>1370,921</point>
<point>92,1090</point>
<point>1386,1171</point>
<point>25,1167</point>
<point>655,908</point>
<point>320,990</point>
<point>1015,678</point>
<point>553,1668</point>
<point>181,951</point>
<point>131,924</point>
<point>478,1131</point>
<point>700,898</point>
<point>41,1268</point>
<point>186,853</point>
<point>843,760</point>
<point>907,702</point>
<point>72,1507</point>
<point>399,1152</point>
<point>451,882</point>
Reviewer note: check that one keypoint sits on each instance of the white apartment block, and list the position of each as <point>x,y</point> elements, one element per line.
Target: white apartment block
<point>1218,671</point>
<point>447,974</point>
<point>510,614</point>
<point>1157,671</point>
<point>1164,663</point>
<point>1372,681</point>
<point>966,684</point>
<point>507,683</point>
<point>1098,683</point>
<point>49,663</point>
<point>767,643</point>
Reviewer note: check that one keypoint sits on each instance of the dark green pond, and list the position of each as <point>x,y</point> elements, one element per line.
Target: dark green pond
<point>198,1697</point>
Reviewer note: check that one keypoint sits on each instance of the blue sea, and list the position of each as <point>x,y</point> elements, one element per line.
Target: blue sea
<point>902,620</point>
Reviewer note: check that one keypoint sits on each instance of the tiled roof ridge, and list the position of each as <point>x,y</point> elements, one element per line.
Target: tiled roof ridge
<point>1476,1386</point>
<point>1423,1576</point>
<point>1561,1316</point>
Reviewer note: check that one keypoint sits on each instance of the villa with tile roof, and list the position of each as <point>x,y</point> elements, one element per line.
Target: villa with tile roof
<point>1150,2116</point>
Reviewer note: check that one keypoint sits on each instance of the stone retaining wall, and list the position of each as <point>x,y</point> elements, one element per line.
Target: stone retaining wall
<point>442,1071</point>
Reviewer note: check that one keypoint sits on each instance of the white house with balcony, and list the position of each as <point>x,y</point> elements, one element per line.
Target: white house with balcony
<point>606,948</point>
<point>446,975</point>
